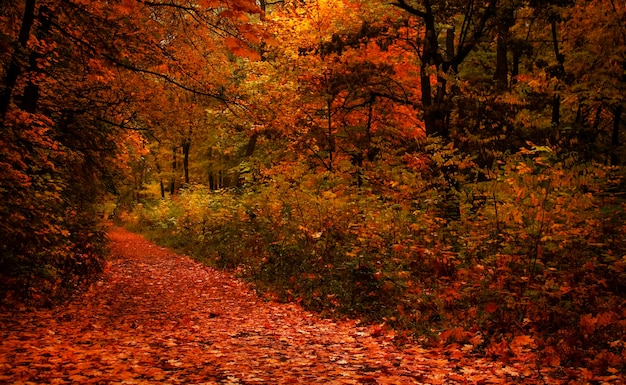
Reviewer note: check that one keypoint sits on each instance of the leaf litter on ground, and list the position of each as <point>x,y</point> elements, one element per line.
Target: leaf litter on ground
<point>159,317</point>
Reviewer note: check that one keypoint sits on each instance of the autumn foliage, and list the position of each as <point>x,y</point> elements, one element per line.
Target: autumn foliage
<point>450,169</point>
<point>158,317</point>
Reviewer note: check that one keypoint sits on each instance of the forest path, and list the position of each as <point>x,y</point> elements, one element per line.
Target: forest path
<point>158,317</point>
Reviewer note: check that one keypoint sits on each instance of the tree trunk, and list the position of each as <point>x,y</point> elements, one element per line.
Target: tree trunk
<point>556,109</point>
<point>331,138</point>
<point>427,102</point>
<point>251,144</point>
<point>475,25</point>
<point>450,43</point>
<point>212,181</point>
<point>173,180</point>
<point>559,73</point>
<point>161,183</point>
<point>596,121</point>
<point>30,98</point>
<point>430,56</point>
<point>14,70</point>
<point>186,148</point>
<point>617,119</point>
<point>515,66</point>
<point>501,76</point>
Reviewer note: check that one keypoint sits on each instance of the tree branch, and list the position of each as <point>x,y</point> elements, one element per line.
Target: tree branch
<point>412,10</point>
<point>167,78</point>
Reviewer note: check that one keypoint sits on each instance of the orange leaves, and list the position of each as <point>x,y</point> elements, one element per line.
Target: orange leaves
<point>242,49</point>
<point>249,6</point>
<point>353,107</point>
<point>491,307</point>
<point>522,342</point>
<point>416,162</point>
<point>252,34</point>
<point>99,71</point>
<point>588,323</point>
<point>591,324</point>
<point>209,4</point>
<point>153,319</point>
<point>126,7</point>
<point>455,335</point>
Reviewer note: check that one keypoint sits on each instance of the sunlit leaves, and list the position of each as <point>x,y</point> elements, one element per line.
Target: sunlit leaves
<point>242,49</point>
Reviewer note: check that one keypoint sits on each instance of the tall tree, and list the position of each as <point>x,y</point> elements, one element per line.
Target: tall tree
<point>438,63</point>
<point>73,73</point>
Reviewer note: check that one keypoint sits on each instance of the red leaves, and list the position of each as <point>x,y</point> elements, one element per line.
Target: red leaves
<point>159,317</point>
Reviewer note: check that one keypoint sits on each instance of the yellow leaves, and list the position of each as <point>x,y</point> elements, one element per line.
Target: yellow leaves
<point>523,168</point>
<point>329,195</point>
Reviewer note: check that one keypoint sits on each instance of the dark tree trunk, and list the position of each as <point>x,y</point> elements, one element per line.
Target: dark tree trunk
<point>450,43</point>
<point>174,165</point>
<point>515,66</point>
<point>580,119</point>
<point>559,73</point>
<point>251,144</point>
<point>556,110</point>
<point>473,30</point>
<point>501,76</point>
<point>161,183</point>
<point>596,121</point>
<point>14,70</point>
<point>331,138</point>
<point>505,21</point>
<point>212,185</point>
<point>186,148</point>
<point>427,102</point>
<point>30,99</point>
<point>617,119</point>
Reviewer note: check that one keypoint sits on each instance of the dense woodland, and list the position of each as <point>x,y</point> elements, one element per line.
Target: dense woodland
<point>450,169</point>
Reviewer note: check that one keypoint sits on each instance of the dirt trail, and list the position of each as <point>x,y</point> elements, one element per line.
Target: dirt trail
<point>158,317</point>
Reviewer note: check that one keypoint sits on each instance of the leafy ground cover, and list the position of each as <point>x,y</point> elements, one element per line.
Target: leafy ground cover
<point>158,317</point>
<point>526,266</point>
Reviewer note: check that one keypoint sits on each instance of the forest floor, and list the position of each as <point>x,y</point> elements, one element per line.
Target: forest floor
<point>158,317</point>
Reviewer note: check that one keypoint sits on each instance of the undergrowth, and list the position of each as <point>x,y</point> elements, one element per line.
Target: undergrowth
<point>534,247</point>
